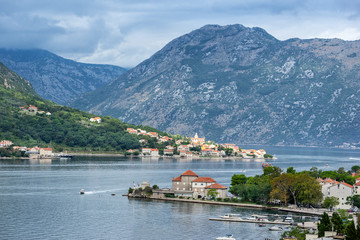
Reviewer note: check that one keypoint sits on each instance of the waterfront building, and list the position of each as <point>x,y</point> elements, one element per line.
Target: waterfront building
<point>150,151</point>
<point>168,152</point>
<point>220,189</point>
<point>189,184</point>
<point>341,190</point>
<point>199,185</point>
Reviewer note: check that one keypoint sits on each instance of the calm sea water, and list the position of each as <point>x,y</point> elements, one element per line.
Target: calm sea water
<point>40,199</point>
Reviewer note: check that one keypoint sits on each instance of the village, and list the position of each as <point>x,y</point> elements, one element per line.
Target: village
<point>192,186</point>
<point>192,147</point>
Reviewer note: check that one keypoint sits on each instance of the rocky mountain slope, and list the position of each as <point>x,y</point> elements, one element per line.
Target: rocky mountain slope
<point>56,78</point>
<point>239,84</point>
<point>10,80</point>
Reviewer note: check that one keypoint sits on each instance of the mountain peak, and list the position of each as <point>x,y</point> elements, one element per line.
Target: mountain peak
<point>238,84</point>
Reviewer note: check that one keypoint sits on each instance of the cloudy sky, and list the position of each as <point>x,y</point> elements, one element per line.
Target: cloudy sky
<point>126,32</point>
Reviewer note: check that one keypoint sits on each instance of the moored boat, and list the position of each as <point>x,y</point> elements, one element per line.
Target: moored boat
<point>275,228</point>
<point>231,216</point>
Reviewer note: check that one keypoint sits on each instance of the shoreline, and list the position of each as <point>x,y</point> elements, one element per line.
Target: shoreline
<point>240,205</point>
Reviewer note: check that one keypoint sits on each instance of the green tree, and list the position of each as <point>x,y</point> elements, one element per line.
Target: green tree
<point>355,168</point>
<point>238,179</point>
<point>337,223</point>
<point>350,232</point>
<point>295,232</point>
<point>330,202</point>
<point>353,200</point>
<point>272,172</point>
<point>324,225</point>
<point>228,151</point>
<point>212,192</point>
<point>291,170</point>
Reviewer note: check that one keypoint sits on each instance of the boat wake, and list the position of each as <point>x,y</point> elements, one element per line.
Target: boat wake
<point>102,191</point>
<point>354,158</point>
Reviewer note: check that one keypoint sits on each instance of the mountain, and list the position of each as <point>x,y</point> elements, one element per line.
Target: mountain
<point>28,120</point>
<point>55,78</point>
<point>10,80</point>
<point>239,84</point>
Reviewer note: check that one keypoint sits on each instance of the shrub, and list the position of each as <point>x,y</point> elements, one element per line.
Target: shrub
<point>226,199</point>
<point>130,190</point>
<point>181,197</point>
<point>219,199</point>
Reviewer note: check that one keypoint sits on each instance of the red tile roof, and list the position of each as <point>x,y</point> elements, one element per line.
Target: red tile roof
<point>357,184</point>
<point>189,173</point>
<point>204,179</point>
<point>346,184</point>
<point>216,186</point>
<point>178,179</point>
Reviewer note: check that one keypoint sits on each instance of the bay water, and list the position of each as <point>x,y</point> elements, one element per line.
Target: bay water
<point>39,199</point>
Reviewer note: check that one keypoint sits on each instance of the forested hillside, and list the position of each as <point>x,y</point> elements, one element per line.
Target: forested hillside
<point>61,127</point>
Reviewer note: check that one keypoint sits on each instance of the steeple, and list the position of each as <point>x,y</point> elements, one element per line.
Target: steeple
<point>196,135</point>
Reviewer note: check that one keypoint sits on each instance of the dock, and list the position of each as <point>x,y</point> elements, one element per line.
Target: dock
<point>247,221</point>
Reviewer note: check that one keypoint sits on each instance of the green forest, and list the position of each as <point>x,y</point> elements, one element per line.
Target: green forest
<point>65,129</point>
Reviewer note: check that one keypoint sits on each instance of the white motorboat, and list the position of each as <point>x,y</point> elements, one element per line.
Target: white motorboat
<point>252,218</point>
<point>289,219</point>
<point>227,237</point>
<point>276,228</point>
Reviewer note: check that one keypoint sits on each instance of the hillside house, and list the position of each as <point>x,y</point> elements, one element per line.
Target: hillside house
<point>95,119</point>
<point>32,108</point>
<point>165,139</point>
<point>5,143</point>
<point>183,148</point>
<point>341,190</point>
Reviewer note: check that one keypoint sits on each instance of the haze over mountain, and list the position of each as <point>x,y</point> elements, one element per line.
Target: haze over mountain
<point>55,78</point>
<point>238,84</point>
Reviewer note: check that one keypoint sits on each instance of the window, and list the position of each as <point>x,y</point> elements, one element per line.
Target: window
<point>177,183</point>
<point>183,183</point>
<point>183,188</point>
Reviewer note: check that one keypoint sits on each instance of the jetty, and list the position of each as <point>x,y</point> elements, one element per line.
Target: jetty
<point>248,221</point>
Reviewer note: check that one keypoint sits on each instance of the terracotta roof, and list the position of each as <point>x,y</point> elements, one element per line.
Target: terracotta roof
<point>178,179</point>
<point>357,184</point>
<point>216,186</point>
<point>346,184</point>
<point>204,179</point>
<point>46,149</point>
<point>189,173</point>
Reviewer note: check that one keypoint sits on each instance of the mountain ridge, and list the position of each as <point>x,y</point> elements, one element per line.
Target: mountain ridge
<point>56,78</point>
<point>239,84</point>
